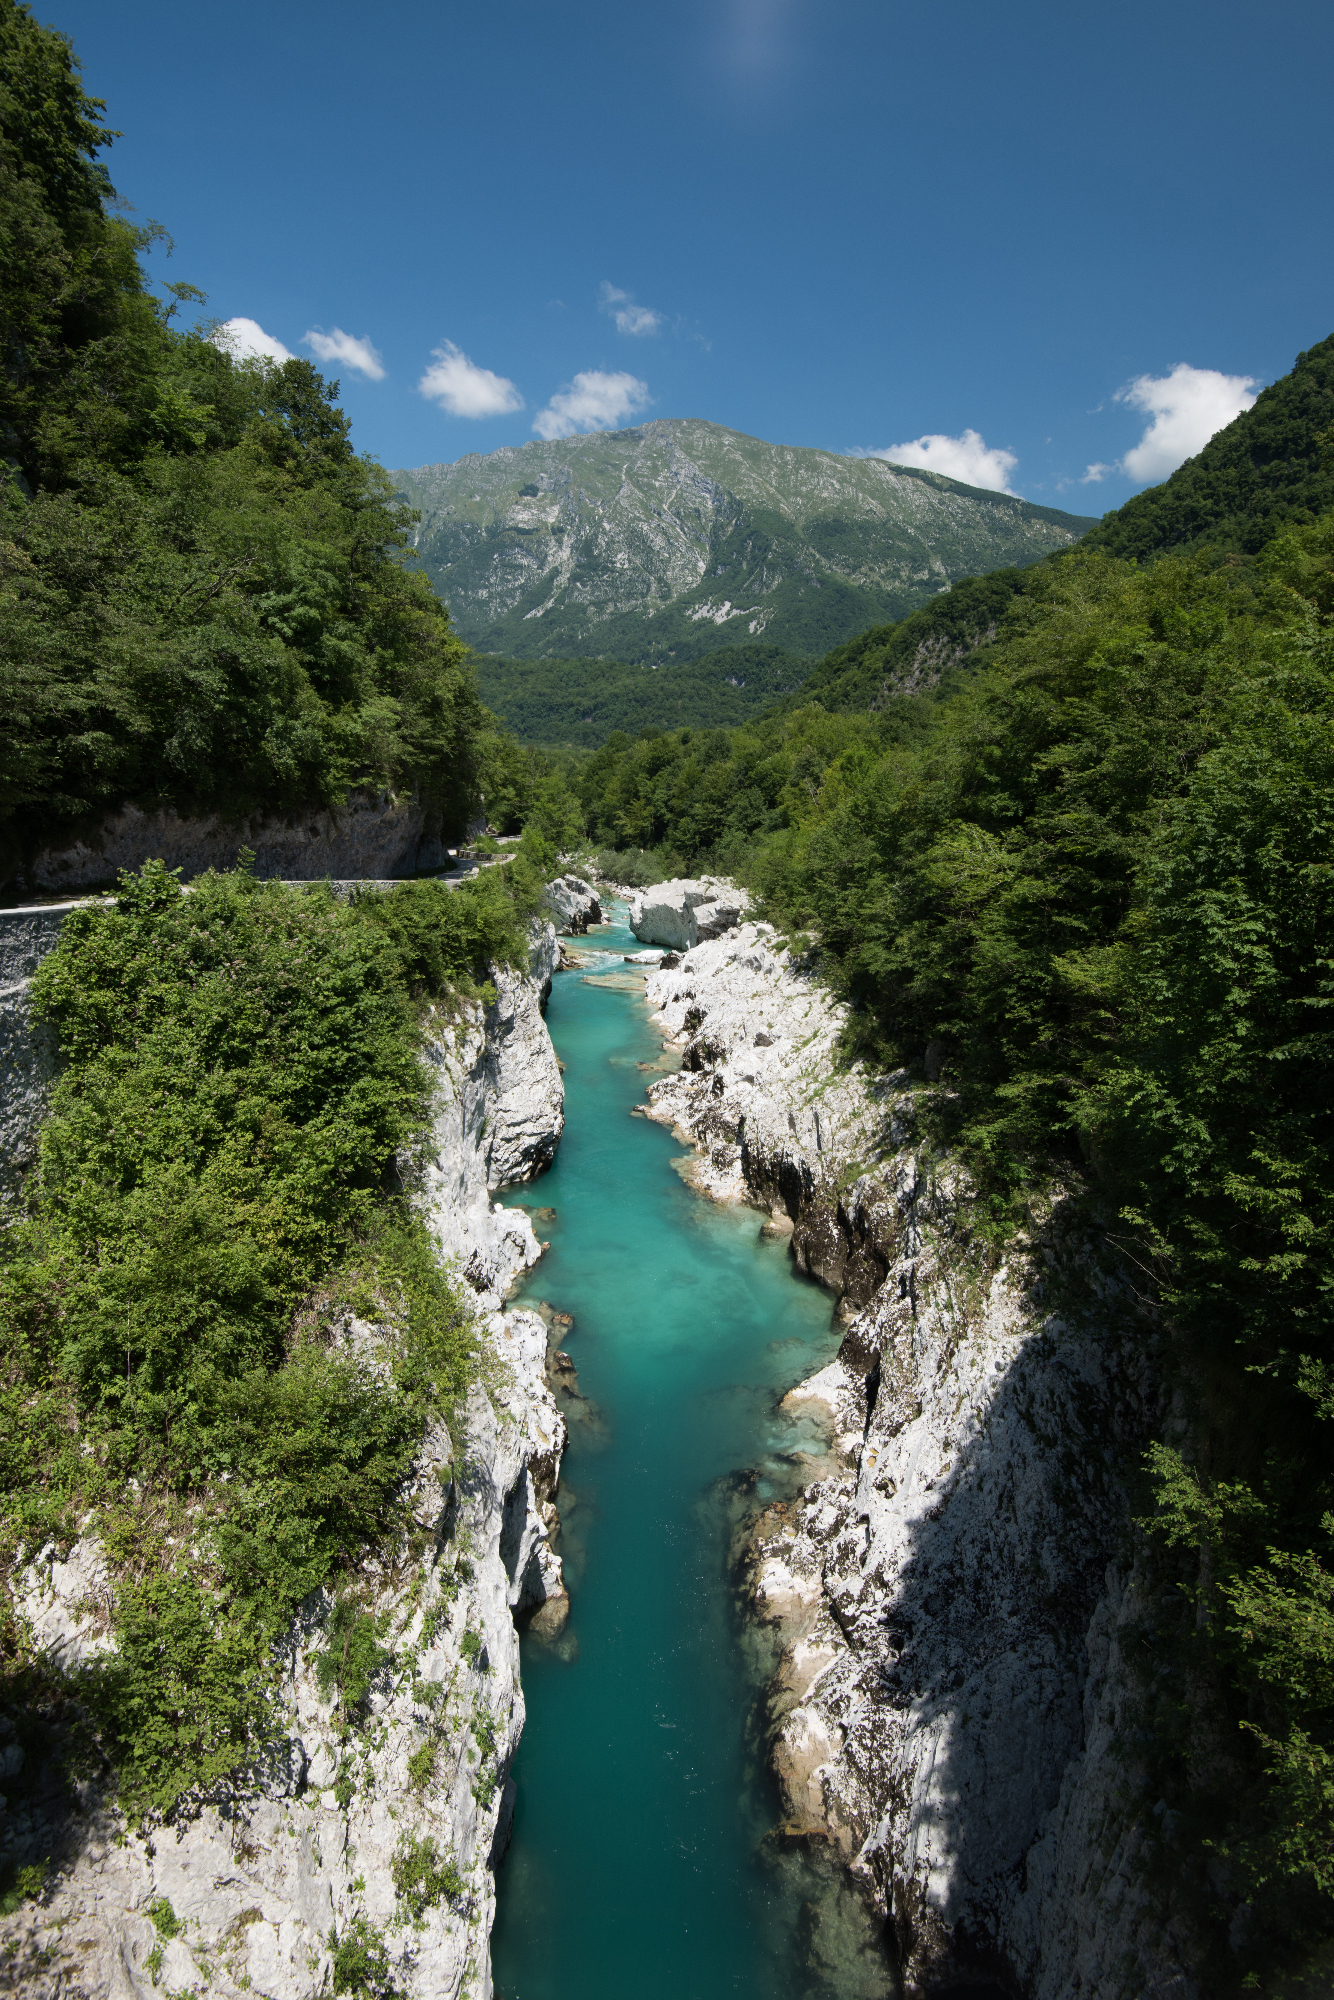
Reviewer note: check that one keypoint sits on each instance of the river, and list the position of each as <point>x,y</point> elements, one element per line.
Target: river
<point>646,1861</point>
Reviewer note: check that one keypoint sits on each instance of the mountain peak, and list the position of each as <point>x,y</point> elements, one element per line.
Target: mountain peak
<point>678,535</point>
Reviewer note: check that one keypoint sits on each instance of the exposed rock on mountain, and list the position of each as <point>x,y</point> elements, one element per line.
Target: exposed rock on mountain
<point>956,1681</point>
<point>665,541</point>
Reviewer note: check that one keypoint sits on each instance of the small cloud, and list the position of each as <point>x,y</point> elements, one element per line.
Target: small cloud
<point>464,389</point>
<point>345,350</point>
<point>967,458</point>
<point>246,340</point>
<point>592,402</point>
<point>1188,407</point>
<point>629,317</point>
<point>1096,472</point>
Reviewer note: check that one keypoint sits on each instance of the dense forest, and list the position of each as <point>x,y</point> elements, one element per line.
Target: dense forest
<point>202,601</point>
<point>580,703</point>
<point>204,604</point>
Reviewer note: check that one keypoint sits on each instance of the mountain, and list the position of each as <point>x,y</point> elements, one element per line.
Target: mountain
<point>663,542</point>
<point>1272,468</point>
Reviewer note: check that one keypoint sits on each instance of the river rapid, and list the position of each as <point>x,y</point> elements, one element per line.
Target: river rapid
<point>647,1859</point>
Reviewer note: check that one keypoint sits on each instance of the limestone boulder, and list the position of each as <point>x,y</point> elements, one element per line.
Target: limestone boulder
<point>681,913</point>
<point>573,904</point>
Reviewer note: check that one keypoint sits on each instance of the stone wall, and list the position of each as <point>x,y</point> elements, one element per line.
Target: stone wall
<point>373,834</point>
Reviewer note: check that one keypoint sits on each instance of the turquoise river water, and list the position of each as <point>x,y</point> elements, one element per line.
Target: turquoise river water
<point>647,1862</point>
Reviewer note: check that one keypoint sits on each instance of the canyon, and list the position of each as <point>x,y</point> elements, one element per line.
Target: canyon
<point>931,1548</point>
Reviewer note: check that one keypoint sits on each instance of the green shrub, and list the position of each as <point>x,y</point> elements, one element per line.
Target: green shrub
<point>24,1885</point>
<point>353,1657</point>
<point>361,1961</point>
<point>422,1876</point>
<point>422,1763</point>
<point>440,936</point>
<point>240,1068</point>
<point>165,1920</point>
<point>632,867</point>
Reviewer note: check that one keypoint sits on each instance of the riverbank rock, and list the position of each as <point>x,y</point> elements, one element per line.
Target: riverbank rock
<point>261,1874</point>
<point>679,914</point>
<point>954,1615</point>
<point>574,905</point>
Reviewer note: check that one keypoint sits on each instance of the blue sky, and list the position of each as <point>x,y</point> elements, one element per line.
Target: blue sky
<point>855,224</point>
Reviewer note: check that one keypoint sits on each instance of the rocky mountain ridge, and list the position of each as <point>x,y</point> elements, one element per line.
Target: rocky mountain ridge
<point>956,1624</point>
<point>664,541</point>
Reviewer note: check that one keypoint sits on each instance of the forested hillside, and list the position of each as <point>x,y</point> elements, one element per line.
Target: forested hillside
<point>204,604</point>
<point>1271,468</point>
<point>582,702</point>
<point>1091,875</point>
<point>203,601</point>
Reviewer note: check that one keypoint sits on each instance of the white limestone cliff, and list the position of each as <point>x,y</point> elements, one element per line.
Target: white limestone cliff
<point>954,1619</point>
<point>260,1878</point>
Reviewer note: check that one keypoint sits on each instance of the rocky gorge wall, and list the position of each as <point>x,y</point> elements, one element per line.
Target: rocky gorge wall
<point>952,1601</point>
<point>373,834</point>
<point>259,1878</point>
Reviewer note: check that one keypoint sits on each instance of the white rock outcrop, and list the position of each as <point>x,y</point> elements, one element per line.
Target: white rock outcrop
<point>949,1599</point>
<point>262,1877</point>
<point>680,914</point>
<point>574,904</point>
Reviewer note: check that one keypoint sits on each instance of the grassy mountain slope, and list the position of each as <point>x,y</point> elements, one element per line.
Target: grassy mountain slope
<point>677,537</point>
<point>580,702</point>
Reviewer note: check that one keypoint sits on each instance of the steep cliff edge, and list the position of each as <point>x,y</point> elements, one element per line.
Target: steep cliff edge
<point>956,1690</point>
<point>362,1846</point>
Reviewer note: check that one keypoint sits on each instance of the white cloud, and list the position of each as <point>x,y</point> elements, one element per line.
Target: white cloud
<point>1096,472</point>
<point>1188,407</point>
<point>346,350</point>
<point>592,402</point>
<point>466,390</point>
<point>968,458</point>
<point>246,340</point>
<point>629,317</point>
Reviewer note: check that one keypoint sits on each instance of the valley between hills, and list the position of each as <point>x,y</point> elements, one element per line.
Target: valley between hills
<point>783,1266</point>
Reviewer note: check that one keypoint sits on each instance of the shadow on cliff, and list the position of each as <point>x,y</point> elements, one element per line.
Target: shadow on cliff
<point>975,1649</point>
